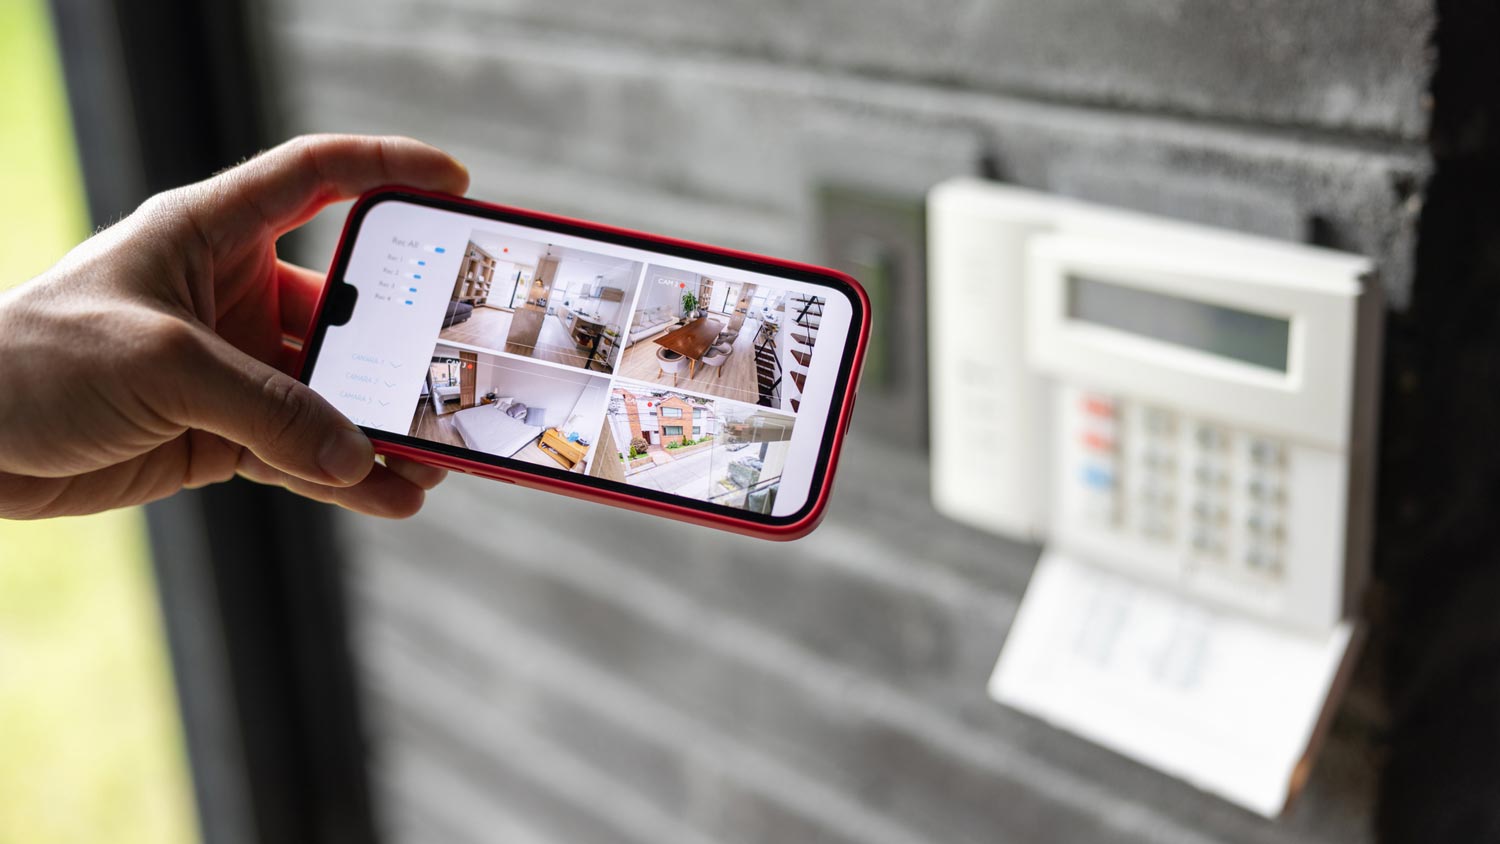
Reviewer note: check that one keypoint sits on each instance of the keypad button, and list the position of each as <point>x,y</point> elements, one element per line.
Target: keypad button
<point>1263,560</point>
<point>1210,474</point>
<point>1265,452</point>
<point>1266,491</point>
<point>1097,441</point>
<point>1159,422</point>
<point>1206,511</point>
<point>1098,406</point>
<point>1156,528</point>
<point>1207,543</point>
<point>1159,461</point>
<point>1210,437</point>
<point>1263,527</point>
<point>1098,476</point>
<point>1159,498</point>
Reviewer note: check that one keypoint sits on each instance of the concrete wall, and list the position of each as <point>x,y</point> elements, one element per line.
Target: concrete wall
<point>543,670</point>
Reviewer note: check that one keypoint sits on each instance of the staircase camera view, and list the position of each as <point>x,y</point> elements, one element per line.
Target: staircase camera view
<point>551,303</point>
<point>740,340</point>
<point>711,450</point>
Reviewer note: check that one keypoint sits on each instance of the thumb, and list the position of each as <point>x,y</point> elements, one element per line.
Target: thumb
<point>285,186</point>
<point>281,420</point>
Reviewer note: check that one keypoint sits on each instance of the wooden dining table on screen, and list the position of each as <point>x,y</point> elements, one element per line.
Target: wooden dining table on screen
<point>693,340</point>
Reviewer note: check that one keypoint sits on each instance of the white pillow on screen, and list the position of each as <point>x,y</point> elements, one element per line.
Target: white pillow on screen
<point>504,402</point>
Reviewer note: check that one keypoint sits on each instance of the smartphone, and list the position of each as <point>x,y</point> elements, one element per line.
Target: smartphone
<point>690,381</point>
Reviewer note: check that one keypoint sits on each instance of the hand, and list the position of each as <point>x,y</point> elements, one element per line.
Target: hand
<point>152,357</point>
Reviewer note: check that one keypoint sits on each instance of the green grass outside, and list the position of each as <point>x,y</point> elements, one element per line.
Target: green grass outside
<point>90,747</point>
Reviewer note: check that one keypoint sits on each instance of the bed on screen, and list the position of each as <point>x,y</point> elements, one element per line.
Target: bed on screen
<point>490,429</point>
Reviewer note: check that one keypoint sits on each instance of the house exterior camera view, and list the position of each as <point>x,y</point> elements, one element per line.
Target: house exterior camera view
<point>713,450</point>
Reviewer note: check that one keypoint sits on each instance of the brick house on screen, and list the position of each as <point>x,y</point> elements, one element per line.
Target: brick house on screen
<point>660,418</point>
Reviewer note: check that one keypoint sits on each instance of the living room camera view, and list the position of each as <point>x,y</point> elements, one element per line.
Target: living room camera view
<point>510,408</point>
<point>552,303</point>
<point>717,451</point>
<point>740,340</point>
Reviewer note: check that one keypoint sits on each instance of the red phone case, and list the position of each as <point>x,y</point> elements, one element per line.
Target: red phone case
<point>748,527</point>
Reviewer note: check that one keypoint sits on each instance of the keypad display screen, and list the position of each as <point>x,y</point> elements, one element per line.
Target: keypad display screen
<point>1232,333</point>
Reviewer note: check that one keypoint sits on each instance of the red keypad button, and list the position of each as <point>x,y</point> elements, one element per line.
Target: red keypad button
<point>1098,406</point>
<point>1095,441</point>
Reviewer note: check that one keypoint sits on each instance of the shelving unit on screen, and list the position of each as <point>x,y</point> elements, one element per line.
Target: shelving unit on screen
<point>475,276</point>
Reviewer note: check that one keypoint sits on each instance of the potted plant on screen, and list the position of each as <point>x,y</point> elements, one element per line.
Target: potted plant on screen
<point>690,304</point>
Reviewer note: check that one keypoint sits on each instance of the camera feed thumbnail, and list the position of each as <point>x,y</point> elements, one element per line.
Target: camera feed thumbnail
<point>510,408</point>
<point>739,340</point>
<point>703,448</point>
<point>545,302</point>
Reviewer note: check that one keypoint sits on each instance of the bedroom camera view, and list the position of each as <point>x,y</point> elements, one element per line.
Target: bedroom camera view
<point>740,340</point>
<point>546,302</point>
<point>509,408</point>
<point>712,450</point>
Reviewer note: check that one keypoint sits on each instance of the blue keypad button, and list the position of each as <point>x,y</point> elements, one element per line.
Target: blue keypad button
<point>1098,477</point>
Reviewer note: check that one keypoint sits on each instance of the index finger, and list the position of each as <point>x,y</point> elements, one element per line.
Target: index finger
<point>285,186</point>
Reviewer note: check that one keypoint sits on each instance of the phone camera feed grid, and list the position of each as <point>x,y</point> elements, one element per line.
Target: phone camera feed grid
<point>647,375</point>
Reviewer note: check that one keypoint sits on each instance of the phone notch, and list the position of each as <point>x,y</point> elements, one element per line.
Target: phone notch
<point>340,304</point>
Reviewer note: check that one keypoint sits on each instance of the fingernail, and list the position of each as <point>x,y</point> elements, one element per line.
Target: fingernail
<point>347,456</point>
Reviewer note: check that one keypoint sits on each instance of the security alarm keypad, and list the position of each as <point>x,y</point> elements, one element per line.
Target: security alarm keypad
<point>1184,418</point>
<point>1203,431</point>
<point>1174,402</point>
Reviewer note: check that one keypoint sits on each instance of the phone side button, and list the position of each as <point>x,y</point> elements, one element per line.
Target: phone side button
<point>488,477</point>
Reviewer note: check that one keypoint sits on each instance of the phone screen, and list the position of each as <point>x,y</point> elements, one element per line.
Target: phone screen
<point>603,358</point>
